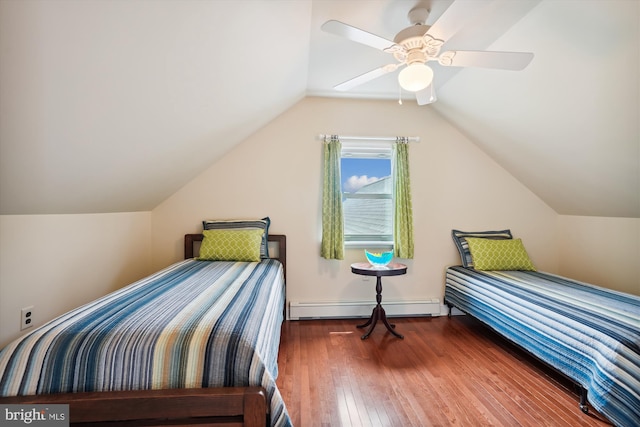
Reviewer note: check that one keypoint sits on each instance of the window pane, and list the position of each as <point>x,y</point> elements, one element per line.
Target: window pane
<point>357,173</point>
<point>367,217</point>
<point>367,199</point>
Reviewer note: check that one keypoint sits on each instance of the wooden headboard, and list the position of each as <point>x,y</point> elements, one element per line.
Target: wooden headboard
<point>279,239</point>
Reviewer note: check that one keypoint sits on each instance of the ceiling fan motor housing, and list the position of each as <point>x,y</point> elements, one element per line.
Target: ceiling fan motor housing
<point>416,55</point>
<point>417,45</point>
<point>411,36</point>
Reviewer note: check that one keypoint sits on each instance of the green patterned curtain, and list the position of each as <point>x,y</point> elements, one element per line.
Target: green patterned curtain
<point>332,218</point>
<point>403,210</point>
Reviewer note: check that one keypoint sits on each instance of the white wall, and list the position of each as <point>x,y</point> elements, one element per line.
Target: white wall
<point>59,262</point>
<point>602,251</point>
<point>277,172</point>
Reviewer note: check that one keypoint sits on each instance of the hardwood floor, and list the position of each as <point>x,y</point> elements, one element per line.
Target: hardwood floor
<point>447,371</point>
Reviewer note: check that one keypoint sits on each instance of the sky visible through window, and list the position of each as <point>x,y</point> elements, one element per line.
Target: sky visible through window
<point>358,172</point>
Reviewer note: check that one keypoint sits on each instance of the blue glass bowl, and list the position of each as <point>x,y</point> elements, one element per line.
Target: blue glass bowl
<point>378,259</point>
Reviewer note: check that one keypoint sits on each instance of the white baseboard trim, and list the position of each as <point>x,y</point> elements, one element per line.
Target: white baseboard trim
<point>328,310</point>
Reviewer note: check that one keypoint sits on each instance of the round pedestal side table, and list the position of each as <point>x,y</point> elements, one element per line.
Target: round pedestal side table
<point>378,314</point>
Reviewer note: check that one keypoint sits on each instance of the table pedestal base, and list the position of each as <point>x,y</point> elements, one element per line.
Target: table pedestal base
<point>378,314</point>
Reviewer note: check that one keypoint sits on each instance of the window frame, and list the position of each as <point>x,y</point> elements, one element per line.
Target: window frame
<point>369,149</point>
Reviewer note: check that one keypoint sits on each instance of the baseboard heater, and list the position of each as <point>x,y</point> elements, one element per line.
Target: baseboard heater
<point>336,310</point>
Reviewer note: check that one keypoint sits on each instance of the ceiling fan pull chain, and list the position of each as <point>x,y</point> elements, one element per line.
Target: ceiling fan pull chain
<point>399,94</point>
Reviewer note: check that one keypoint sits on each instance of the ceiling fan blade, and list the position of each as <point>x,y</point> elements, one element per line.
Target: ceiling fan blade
<point>363,78</point>
<point>454,18</point>
<point>356,34</point>
<point>426,95</point>
<point>515,61</point>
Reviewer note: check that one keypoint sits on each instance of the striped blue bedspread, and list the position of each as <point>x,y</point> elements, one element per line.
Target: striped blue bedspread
<point>194,324</point>
<point>590,334</point>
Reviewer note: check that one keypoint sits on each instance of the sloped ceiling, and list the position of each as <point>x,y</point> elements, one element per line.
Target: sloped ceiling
<point>110,106</point>
<point>113,106</point>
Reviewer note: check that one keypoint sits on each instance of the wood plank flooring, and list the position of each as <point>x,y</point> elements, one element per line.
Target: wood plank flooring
<point>446,372</point>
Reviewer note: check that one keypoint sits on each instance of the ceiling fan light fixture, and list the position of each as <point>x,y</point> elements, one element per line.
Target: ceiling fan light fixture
<point>415,77</point>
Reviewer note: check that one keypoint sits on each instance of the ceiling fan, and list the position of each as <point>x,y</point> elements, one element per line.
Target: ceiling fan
<point>419,43</point>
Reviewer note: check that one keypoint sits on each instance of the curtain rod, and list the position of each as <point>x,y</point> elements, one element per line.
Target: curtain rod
<point>368,138</point>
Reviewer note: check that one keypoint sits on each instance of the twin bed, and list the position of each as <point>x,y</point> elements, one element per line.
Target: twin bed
<point>195,342</point>
<point>588,333</point>
<point>198,341</point>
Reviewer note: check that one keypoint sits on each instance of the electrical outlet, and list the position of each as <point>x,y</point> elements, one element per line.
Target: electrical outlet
<point>26,317</point>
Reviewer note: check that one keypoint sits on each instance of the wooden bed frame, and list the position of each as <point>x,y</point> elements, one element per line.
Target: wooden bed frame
<point>223,406</point>
<point>228,406</point>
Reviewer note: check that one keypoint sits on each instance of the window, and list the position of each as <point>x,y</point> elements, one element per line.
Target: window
<point>367,194</point>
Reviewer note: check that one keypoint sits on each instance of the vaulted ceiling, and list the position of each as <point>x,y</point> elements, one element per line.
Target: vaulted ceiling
<point>109,106</point>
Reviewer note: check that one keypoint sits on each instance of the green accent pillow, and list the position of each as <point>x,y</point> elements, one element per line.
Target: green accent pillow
<point>231,245</point>
<point>489,254</point>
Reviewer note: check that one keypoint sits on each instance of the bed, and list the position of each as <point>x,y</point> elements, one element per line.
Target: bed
<point>588,333</point>
<point>196,342</point>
